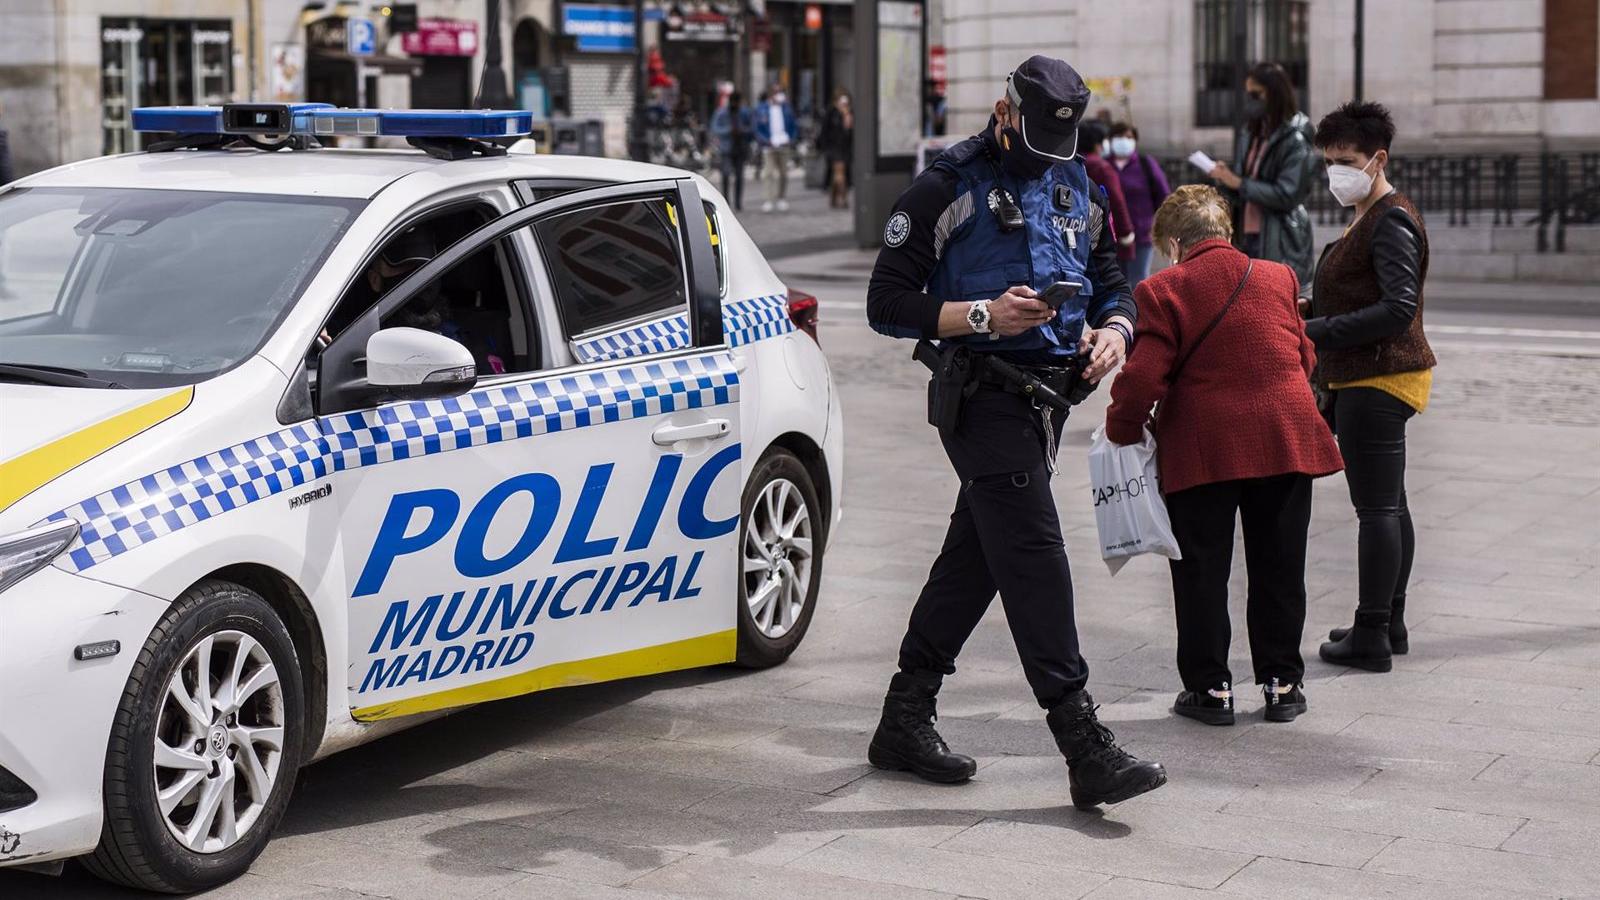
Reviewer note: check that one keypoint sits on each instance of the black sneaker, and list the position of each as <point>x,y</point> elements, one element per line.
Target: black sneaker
<point>1213,706</point>
<point>1284,701</point>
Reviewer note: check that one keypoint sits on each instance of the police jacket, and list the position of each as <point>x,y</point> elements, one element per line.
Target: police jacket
<point>943,242</point>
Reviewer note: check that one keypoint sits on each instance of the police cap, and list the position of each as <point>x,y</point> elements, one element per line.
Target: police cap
<point>1050,97</point>
<point>415,245</point>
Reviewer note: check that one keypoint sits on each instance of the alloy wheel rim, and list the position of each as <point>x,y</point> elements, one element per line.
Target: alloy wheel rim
<point>777,557</point>
<point>218,741</point>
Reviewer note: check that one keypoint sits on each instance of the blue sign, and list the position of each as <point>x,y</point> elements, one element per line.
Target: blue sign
<point>599,29</point>
<point>361,37</point>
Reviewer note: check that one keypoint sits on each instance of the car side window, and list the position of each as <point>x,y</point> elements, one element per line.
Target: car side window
<point>614,263</point>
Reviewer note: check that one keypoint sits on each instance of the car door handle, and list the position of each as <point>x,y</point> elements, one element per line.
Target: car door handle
<point>667,435</point>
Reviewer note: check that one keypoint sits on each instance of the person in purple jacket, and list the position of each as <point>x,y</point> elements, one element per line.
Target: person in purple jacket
<point>1144,186</point>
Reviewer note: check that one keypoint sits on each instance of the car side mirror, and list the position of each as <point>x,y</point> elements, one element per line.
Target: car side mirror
<point>412,364</point>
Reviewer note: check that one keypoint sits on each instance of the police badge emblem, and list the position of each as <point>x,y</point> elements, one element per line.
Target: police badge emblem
<point>999,197</point>
<point>897,229</point>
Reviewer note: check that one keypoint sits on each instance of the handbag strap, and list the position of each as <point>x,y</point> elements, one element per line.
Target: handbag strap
<point>1173,378</point>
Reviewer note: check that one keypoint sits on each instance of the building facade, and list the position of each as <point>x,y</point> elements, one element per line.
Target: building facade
<point>1467,74</point>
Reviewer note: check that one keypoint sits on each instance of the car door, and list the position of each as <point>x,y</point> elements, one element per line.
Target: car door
<point>556,527</point>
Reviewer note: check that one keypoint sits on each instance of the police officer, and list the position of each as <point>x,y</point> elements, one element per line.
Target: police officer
<point>968,252</point>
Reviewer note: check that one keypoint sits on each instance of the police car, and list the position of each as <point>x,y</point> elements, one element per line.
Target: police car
<point>302,444</point>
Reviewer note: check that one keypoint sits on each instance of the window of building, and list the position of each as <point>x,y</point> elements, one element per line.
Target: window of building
<point>614,263</point>
<point>160,62</point>
<point>1232,35</point>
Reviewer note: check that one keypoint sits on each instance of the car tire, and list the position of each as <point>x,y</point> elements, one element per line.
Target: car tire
<point>782,569</point>
<point>236,638</point>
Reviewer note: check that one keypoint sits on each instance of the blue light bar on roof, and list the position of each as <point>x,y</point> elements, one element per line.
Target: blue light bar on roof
<point>324,119</point>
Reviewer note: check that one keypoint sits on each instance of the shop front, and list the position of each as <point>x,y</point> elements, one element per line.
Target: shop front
<point>336,75</point>
<point>445,48</point>
<point>811,53</point>
<point>160,62</point>
<point>700,49</point>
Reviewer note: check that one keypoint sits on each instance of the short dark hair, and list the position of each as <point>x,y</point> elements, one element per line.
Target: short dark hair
<point>1123,128</point>
<point>1368,127</point>
<point>1090,134</point>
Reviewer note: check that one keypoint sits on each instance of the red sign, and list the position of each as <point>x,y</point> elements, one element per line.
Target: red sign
<point>442,37</point>
<point>813,17</point>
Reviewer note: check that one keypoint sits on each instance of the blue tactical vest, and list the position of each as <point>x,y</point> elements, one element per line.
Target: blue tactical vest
<point>980,261</point>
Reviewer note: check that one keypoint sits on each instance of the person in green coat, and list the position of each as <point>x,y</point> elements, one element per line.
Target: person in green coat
<point>1272,171</point>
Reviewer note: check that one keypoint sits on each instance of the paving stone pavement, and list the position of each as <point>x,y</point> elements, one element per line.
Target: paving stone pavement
<point>1473,769</point>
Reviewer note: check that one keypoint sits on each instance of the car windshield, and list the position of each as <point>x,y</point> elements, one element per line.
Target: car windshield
<point>151,288</point>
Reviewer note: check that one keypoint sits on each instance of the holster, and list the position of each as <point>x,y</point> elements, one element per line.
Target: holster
<point>952,382</point>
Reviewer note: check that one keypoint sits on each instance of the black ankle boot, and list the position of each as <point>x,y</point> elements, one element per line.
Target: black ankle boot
<point>1399,638</point>
<point>1284,702</point>
<point>1213,706</point>
<point>1365,646</point>
<point>1098,771</point>
<point>906,741</point>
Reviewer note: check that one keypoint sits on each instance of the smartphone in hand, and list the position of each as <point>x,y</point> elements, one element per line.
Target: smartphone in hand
<point>1059,293</point>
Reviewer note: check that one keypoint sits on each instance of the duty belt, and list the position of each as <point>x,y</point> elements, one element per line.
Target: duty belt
<point>1061,379</point>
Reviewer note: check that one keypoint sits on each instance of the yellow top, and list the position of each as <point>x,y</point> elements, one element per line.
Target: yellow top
<point>1410,388</point>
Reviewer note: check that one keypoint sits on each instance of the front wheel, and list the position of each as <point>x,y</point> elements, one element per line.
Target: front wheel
<point>780,559</point>
<point>205,745</point>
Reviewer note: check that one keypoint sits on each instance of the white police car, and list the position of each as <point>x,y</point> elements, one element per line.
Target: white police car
<point>299,445</point>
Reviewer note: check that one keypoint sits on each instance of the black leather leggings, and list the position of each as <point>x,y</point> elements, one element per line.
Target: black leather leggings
<point>1371,426</point>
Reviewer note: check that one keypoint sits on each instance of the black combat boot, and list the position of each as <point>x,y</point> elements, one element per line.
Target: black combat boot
<point>1284,701</point>
<point>1213,706</point>
<point>1365,646</point>
<point>1098,771</point>
<point>905,740</point>
<point>1399,638</point>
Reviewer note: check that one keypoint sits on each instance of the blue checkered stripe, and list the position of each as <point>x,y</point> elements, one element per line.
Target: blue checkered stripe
<point>660,336</point>
<point>743,322</point>
<point>141,511</point>
<point>756,319</point>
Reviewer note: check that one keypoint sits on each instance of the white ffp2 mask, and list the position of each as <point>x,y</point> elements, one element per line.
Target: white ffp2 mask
<point>1349,184</point>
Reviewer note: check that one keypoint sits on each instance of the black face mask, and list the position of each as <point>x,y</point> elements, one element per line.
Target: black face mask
<point>1018,159</point>
<point>1255,108</point>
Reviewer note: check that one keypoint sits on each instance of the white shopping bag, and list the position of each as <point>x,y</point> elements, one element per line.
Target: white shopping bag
<point>1128,509</point>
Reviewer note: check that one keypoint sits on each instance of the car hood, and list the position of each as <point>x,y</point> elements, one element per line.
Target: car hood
<point>49,431</point>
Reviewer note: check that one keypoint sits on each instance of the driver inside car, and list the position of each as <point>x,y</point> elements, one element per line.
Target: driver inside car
<point>431,309</point>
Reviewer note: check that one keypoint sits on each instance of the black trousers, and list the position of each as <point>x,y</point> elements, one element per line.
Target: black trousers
<point>1276,513</point>
<point>1004,536</point>
<point>1371,426</point>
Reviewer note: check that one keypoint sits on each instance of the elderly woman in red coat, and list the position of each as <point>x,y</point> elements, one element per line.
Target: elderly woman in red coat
<point>1222,349</point>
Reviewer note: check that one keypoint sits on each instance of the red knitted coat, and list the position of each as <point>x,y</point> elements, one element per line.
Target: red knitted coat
<point>1242,406</point>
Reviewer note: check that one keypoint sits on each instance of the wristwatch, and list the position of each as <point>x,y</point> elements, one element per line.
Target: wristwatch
<point>978,317</point>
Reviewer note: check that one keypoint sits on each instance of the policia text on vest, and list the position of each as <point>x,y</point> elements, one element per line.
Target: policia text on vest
<point>994,221</point>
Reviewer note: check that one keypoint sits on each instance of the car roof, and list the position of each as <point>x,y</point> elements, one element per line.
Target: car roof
<point>326,172</point>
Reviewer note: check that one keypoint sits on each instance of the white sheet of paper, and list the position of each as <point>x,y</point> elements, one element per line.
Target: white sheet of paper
<point>1201,161</point>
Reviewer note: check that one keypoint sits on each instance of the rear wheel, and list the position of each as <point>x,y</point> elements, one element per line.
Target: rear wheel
<point>205,745</point>
<point>780,545</point>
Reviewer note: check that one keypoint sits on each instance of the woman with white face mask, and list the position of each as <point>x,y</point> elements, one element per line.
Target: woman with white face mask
<point>1375,369</point>
<point>1144,186</point>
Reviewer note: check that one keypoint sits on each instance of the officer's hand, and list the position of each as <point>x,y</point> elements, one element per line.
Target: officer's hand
<point>1016,311</point>
<point>1106,350</point>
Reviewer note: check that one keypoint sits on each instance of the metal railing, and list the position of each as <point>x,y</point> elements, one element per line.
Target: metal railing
<point>1546,191</point>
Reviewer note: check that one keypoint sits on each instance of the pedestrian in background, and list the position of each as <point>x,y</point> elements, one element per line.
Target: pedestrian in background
<point>7,174</point>
<point>1091,137</point>
<point>775,128</point>
<point>1376,368</point>
<point>837,140</point>
<point>1271,174</point>
<point>732,126</point>
<point>1144,186</point>
<point>1223,356</point>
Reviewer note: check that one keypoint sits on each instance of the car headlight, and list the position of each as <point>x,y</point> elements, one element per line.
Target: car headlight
<point>26,552</point>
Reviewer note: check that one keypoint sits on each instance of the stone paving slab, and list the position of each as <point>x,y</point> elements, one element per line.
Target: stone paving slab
<point>1472,770</point>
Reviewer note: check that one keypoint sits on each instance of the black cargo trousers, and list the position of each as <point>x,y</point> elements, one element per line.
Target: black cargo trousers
<point>1004,535</point>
